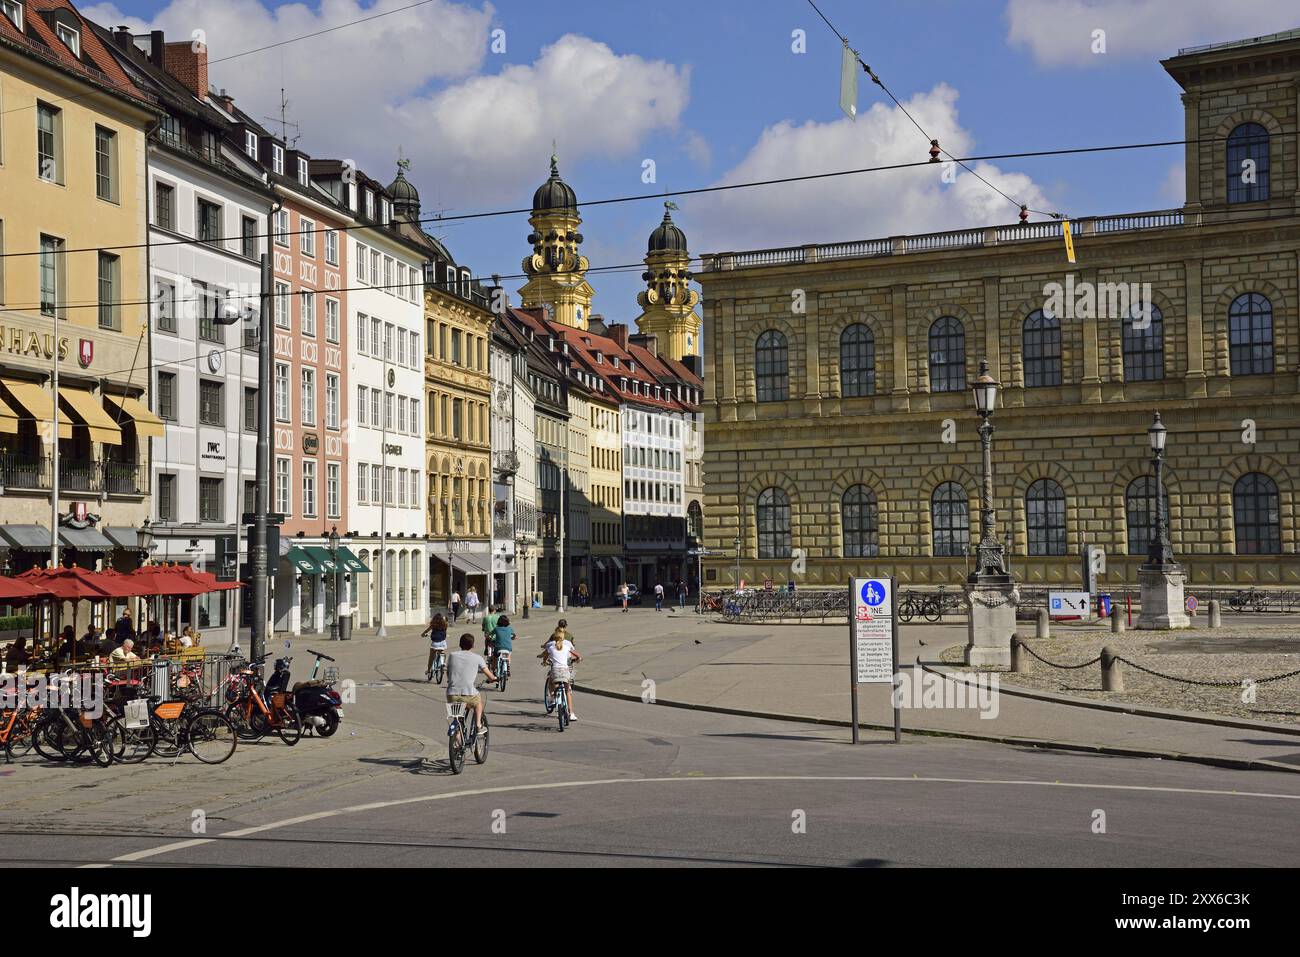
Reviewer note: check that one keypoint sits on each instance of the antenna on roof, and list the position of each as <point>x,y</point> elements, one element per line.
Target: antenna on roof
<point>285,124</point>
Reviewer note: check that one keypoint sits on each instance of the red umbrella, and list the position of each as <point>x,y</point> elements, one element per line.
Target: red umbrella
<point>68,584</point>
<point>170,580</point>
<point>124,586</point>
<point>15,591</point>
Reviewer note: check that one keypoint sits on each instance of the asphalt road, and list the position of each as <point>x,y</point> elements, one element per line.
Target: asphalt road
<point>635,784</point>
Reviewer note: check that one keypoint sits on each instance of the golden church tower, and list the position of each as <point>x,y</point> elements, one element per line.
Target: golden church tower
<point>557,272</point>
<point>668,300</point>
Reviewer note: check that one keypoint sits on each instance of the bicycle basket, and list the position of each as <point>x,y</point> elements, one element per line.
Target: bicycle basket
<point>170,710</point>
<point>455,709</point>
<point>279,699</point>
<point>86,720</point>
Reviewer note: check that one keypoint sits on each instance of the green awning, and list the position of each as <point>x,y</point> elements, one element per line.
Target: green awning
<point>350,562</point>
<point>302,562</point>
<point>323,559</point>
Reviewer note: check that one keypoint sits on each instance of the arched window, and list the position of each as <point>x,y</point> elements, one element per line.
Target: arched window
<point>1256,515</point>
<point>1144,343</point>
<point>1045,518</point>
<point>1248,164</point>
<point>1250,335</point>
<point>695,521</point>
<point>773,514</point>
<point>947,355</point>
<point>403,569</point>
<point>1041,337</point>
<point>858,516</point>
<point>949,520</point>
<point>1139,507</point>
<point>857,361</point>
<point>772,367</point>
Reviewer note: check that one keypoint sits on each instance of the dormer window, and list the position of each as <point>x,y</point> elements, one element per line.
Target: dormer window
<point>250,143</point>
<point>464,283</point>
<point>277,159</point>
<point>631,366</point>
<point>303,176</point>
<point>600,360</point>
<point>70,36</point>
<point>370,204</point>
<point>14,11</point>
<point>383,211</point>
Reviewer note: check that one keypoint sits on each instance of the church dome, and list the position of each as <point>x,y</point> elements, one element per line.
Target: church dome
<point>667,237</point>
<point>402,191</point>
<point>555,193</point>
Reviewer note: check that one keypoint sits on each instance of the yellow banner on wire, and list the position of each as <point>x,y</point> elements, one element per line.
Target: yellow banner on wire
<point>1069,241</point>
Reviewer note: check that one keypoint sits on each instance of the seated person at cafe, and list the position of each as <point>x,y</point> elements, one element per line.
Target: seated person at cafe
<point>124,653</point>
<point>18,653</point>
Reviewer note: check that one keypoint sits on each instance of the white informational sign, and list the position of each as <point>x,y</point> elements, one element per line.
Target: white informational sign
<point>1068,604</point>
<point>873,624</point>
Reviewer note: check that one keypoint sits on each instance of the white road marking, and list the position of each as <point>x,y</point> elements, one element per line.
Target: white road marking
<point>476,792</point>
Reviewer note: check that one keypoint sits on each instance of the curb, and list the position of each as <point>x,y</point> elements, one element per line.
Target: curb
<point>1205,759</point>
<point>1140,711</point>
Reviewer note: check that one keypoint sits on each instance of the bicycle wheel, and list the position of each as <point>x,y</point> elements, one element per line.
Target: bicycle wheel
<point>562,707</point>
<point>933,610</point>
<point>290,728</point>
<point>439,668</point>
<point>134,744</point>
<point>22,737</point>
<point>244,727</point>
<point>103,741</point>
<point>906,610</point>
<point>167,737</point>
<point>456,748</point>
<point>481,742</point>
<point>210,736</point>
<point>502,678</point>
<point>47,737</point>
<point>548,701</point>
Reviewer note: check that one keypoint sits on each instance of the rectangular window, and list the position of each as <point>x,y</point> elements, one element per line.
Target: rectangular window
<point>362,488</point>
<point>389,475</point>
<point>282,305</point>
<point>250,409</point>
<point>308,489</point>
<point>374,485</point>
<point>277,159</point>
<point>14,11</point>
<point>164,297</point>
<point>374,408</point>
<point>376,333</point>
<point>307,312</point>
<point>332,246</point>
<point>307,237</point>
<point>455,418</point>
<point>105,164</point>
<point>401,488</point>
<point>248,237</point>
<point>206,303</point>
<point>363,263</point>
<point>49,143</point>
<point>303,176</point>
<point>388,341</point>
<point>282,227</point>
<point>211,409</point>
<point>208,223</point>
<point>283,504</point>
<point>51,269</point>
<point>282,392</point>
<point>110,311</point>
<point>363,330</point>
<point>331,401</point>
<point>401,347</point>
<point>415,416</point>
<point>376,268</point>
<point>332,330</point>
<point>210,499</point>
<point>389,402</point>
<point>71,38</point>
<point>332,483</point>
<point>164,214</point>
<point>308,396</point>
<point>455,347</point>
<point>362,392</point>
<point>401,413</point>
<point>166,399</point>
<point>166,497</point>
<point>250,143</point>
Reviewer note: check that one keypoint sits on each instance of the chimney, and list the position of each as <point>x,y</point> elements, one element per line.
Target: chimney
<point>123,38</point>
<point>649,343</point>
<point>182,61</point>
<point>156,43</point>
<point>618,332</point>
<point>226,100</point>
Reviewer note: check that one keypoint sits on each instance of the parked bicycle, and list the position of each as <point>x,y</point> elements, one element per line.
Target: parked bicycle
<point>16,727</point>
<point>255,714</point>
<point>70,734</point>
<point>464,733</point>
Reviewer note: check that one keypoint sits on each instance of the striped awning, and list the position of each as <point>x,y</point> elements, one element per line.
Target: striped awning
<point>88,409</point>
<point>39,403</point>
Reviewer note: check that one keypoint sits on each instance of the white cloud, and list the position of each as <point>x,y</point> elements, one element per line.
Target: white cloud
<point>416,79</point>
<point>1060,32</point>
<point>859,206</point>
<point>698,149</point>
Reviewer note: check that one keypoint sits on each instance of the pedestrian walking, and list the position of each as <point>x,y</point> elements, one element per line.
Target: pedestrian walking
<point>455,605</point>
<point>659,596</point>
<point>582,594</point>
<point>471,603</point>
<point>622,594</point>
<point>681,594</point>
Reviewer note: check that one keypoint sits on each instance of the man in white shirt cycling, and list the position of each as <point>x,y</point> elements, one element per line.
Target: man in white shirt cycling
<point>560,655</point>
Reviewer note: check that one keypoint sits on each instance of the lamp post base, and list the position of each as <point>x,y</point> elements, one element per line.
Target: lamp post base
<point>991,622</point>
<point>1162,598</point>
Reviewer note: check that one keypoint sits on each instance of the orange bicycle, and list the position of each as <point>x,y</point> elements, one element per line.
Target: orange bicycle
<point>255,714</point>
<point>16,727</point>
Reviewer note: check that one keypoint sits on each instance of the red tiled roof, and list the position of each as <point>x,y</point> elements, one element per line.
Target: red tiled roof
<point>40,41</point>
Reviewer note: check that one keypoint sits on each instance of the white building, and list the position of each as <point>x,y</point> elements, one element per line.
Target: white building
<point>205,372</point>
<point>514,468</point>
<point>385,434</point>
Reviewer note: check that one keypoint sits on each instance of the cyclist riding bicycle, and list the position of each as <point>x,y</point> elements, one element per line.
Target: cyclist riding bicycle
<point>437,632</point>
<point>489,621</point>
<point>503,640</point>
<point>560,656</point>
<point>462,668</point>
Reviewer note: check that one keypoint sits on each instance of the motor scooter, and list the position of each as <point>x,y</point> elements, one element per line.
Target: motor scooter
<point>317,703</point>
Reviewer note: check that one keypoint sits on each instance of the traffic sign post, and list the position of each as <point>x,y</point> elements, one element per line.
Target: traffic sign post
<point>873,642</point>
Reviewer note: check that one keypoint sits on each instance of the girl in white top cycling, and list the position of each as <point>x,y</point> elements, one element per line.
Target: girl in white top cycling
<point>560,654</point>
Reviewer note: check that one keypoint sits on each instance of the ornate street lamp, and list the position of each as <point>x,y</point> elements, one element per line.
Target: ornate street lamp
<point>334,554</point>
<point>1160,552</point>
<point>990,561</point>
<point>144,540</point>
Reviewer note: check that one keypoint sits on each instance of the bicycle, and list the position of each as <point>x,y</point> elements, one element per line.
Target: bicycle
<point>501,667</point>
<point>57,737</point>
<point>16,727</point>
<point>439,666</point>
<point>462,735</point>
<point>253,717</point>
<point>559,701</point>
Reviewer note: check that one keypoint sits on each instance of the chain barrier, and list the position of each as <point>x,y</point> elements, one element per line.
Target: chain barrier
<point>1086,664</point>
<point>1208,684</point>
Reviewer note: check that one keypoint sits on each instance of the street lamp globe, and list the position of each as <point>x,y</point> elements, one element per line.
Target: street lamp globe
<point>985,389</point>
<point>1156,435</point>
<point>144,536</point>
<point>334,538</point>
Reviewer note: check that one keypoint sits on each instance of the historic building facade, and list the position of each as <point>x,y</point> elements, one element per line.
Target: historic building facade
<point>72,192</point>
<point>841,434</point>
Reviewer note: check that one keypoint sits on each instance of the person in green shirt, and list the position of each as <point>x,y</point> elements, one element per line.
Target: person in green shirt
<point>490,627</point>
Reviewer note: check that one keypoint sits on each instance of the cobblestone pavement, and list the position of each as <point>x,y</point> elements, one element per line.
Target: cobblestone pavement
<point>1236,653</point>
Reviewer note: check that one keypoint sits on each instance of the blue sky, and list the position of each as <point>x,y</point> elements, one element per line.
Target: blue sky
<point>712,92</point>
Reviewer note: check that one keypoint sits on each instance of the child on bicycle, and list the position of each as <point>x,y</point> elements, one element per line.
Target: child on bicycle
<point>560,655</point>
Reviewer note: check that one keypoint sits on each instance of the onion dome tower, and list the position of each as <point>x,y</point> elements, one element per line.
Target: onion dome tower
<point>668,302</point>
<point>556,271</point>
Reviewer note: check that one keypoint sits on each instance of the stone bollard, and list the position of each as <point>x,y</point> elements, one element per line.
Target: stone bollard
<point>1017,656</point>
<point>1116,622</point>
<point>1044,629</point>
<point>1216,614</point>
<point>1112,678</point>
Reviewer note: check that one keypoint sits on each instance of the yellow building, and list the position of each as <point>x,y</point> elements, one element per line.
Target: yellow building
<point>668,300</point>
<point>72,194</point>
<point>606,496</point>
<point>556,271</point>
